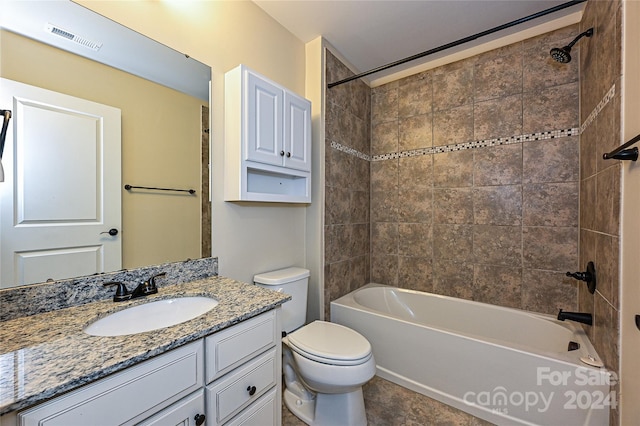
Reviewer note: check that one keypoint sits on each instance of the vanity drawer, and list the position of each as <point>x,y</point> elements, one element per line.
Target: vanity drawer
<point>231,394</point>
<point>126,397</point>
<point>230,348</point>
<point>261,413</point>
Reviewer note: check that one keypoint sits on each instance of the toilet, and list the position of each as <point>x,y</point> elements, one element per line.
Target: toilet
<point>325,365</point>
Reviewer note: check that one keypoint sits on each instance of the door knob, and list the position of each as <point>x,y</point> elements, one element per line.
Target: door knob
<point>113,232</point>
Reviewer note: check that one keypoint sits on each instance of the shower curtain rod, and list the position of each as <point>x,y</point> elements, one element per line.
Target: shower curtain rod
<point>458,42</point>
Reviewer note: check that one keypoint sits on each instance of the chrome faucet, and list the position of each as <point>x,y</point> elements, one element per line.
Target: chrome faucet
<point>581,317</point>
<point>145,288</point>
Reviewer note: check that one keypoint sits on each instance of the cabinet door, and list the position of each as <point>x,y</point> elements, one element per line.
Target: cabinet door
<point>297,132</point>
<point>183,413</point>
<point>263,118</point>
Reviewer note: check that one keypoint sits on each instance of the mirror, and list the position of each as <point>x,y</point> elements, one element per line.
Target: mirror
<point>163,96</point>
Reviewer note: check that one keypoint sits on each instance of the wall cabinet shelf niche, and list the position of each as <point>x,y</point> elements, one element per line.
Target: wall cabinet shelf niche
<point>267,140</point>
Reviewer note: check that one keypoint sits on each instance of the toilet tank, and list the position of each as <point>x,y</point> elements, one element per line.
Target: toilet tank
<point>294,282</point>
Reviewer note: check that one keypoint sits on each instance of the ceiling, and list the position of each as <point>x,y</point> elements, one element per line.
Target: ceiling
<point>372,33</point>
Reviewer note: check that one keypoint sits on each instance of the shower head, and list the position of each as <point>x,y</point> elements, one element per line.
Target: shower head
<point>562,54</point>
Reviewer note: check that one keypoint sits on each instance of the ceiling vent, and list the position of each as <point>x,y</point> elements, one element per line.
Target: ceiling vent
<point>89,44</point>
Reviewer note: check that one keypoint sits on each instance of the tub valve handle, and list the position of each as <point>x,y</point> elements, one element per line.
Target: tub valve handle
<point>589,276</point>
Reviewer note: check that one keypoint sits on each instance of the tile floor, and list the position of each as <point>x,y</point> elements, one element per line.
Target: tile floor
<point>388,404</point>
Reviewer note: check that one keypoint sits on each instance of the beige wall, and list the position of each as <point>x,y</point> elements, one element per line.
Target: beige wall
<point>160,145</point>
<point>630,235</point>
<point>247,237</point>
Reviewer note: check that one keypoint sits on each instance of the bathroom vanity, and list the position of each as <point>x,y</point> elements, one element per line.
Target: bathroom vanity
<point>222,367</point>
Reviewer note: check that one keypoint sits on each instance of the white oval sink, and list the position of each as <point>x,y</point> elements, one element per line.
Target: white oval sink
<point>151,316</point>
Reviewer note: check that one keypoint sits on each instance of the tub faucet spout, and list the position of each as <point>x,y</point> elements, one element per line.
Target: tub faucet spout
<point>582,317</point>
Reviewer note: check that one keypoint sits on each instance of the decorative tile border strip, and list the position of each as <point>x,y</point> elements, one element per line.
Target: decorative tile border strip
<point>607,98</point>
<point>351,151</point>
<point>552,134</point>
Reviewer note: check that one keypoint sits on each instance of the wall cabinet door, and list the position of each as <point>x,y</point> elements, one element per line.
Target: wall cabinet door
<point>297,132</point>
<point>264,121</point>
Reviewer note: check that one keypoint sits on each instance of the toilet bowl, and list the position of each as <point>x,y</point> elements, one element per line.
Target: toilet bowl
<point>324,364</point>
<point>325,367</point>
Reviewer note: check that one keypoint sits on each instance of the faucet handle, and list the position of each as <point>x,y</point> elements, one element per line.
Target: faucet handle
<point>122,293</point>
<point>152,280</point>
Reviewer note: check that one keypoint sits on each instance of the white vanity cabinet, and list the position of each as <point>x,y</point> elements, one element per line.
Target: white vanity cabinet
<point>230,377</point>
<point>267,140</point>
<point>127,397</point>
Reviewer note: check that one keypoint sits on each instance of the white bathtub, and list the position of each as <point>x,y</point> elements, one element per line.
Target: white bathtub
<point>503,365</point>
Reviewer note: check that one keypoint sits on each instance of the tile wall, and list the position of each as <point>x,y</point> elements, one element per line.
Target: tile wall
<point>600,70</point>
<point>346,231</point>
<point>476,175</point>
<point>474,178</point>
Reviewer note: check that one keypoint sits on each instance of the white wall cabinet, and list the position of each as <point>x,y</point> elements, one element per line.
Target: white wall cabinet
<point>240,365</point>
<point>267,140</point>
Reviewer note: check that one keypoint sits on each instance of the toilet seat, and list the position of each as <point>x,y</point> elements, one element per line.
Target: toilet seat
<point>330,343</point>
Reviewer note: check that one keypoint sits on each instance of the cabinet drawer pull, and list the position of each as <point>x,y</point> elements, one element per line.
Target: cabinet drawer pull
<point>251,390</point>
<point>288,154</point>
<point>199,418</point>
<point>282,153</point>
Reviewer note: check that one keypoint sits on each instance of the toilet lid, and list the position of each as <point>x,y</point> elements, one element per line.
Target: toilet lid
<point>330,343</point>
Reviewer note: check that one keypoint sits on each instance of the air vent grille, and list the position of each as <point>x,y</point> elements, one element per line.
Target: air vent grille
<point>83,41</point>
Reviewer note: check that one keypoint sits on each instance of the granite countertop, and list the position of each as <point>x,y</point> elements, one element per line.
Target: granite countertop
<point>44,355</point>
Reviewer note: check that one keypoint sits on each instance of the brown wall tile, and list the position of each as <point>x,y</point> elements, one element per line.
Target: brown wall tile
<point>497,245</point>
<point>453,125</point>
<point>551,160</point>
<point>453,242</point>
<point>497,205</point>
<point>415,273</point>
<point>452,89</point>
<point>415,96</point>
<point>497,117</point>
<point>415,132</point>
<point>453,205</point>
<point>384,138</point>
<point>416,172</point>
<point>453,278</point>
<point>498,165</point>
<point>384,104</point>
<point>498,285</point>
<point>554,249</point>
<point>415,239</point>
<point>550,204</point>
<point>499,77</point>
<point>552,108</point>
<point>415,205</point>
<point>453,169</point>
<point>608,200</point>
<point>553,291</point>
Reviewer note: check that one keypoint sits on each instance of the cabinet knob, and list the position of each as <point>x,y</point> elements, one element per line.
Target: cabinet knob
<point>282,153</point>
<point>288,154</point>
<point>251,390</point>
<point>199,418</point>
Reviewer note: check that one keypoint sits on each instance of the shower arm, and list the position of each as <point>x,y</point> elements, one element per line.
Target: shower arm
<point>587,33</point>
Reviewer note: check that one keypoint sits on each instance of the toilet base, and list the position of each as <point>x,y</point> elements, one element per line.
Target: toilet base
<point>328,409</point>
